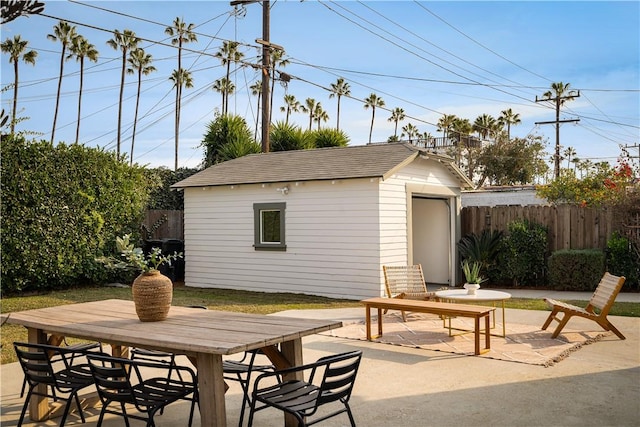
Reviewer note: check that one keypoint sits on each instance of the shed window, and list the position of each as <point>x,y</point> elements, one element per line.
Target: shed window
<point>269,230</point>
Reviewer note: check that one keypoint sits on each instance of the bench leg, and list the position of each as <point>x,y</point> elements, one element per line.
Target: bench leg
<point>477,334</point>
<point>487,335</point>
<point>368,321</point>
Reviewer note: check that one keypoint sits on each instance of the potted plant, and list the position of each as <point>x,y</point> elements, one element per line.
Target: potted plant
<point>472,275</point>
<point>152,291</point>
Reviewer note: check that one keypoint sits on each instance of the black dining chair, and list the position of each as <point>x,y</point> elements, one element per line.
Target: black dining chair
<point>56,368</point>
<point>125,381</point>
<point>329,380</point>
<point>241,372</point>
<point>78,349</point>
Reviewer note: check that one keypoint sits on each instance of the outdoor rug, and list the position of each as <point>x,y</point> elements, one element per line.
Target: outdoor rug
<point>523,343</point>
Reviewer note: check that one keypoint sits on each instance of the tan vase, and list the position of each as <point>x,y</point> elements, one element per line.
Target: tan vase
<point>152,295</point>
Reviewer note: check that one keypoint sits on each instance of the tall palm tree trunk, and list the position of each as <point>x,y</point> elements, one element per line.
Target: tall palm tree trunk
<point>80,98</point>
<point>124,61</point>
<point>55,113</point>
<point>135,116</point>
<point>15,96</point>
<point>338,118</point>
<point>178,96</point>
<point>255,136</point>
<point>373,116</point>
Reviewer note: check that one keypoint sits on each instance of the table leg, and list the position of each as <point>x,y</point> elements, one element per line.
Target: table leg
<point>211,389</point>
<point>292,351</point>
<point>487,335</point>
<point>477,334</point>
<point>379,322</point>
<point>504,322</point>
<point>39,405</point>
<point>368,321</point>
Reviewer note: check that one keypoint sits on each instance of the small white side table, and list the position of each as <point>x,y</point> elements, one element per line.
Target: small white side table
<point>484,295</point>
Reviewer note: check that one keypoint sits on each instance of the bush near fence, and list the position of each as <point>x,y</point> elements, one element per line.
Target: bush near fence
<point>576,270</point>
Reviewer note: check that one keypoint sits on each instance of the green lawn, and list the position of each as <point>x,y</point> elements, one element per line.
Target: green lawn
<point>220,299</point>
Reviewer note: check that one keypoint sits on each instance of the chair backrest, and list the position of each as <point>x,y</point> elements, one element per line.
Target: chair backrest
<point>112,377</point>
<point>35,360</point>
<point>406,279</point>
<point>606,293</point>
<point>339,376</point>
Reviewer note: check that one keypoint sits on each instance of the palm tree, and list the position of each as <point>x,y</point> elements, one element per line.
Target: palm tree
<point>224,87</point>
<point>508,118</point>
<point>484,125</point>
<point>339,89</point>
<point>410,131</point>
<point>140,64</point>
<point>562,95</point>
<point>397,115</point>
<point>125,42</point>
<point>461,128</point>
<point>319,114</point>
<point>309,107</point>
<point>576,161</point>
<point>277,61</point>
<point>291,105</point>
<point>427,138</point>
<point>16,48</point>
<point>181,33</point>
<point>228,53</point>
<point>373,101</point>
<point>64,33</point>
<point>80,49</point>
<point>182,78</point>
<point>445,124</point>
<point>256,89</point>
<point>568,153</point>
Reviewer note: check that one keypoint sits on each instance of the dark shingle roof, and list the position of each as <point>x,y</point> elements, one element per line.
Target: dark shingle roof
<point>359,161</point>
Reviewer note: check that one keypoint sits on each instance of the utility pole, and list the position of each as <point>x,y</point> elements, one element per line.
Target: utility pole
<point>559,100</point>
<point>266,67</point>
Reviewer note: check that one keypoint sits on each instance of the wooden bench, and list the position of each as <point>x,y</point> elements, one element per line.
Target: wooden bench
<point>439,308</point>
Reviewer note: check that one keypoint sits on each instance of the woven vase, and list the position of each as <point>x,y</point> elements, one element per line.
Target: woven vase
<point>152,295</point>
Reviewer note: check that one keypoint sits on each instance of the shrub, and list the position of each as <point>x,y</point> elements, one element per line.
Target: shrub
<point>163,197</point>
<point>623,260</point>
<point>576,270</point>
<point>61,207</point>
<point>524,253</point>
<point>483,248</point>
<point>330,138</point>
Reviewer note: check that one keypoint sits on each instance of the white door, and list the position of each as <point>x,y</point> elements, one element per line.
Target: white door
<point>432,238</point>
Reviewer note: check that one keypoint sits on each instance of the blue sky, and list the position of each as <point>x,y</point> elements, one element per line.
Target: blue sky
<point>429,58</point>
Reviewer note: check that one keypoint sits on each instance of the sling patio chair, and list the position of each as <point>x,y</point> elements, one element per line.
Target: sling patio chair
<point>597,309</point>
<point>330,380</point>
<point>123,382</point>
<point>53,367</point>
<point>406,281</point>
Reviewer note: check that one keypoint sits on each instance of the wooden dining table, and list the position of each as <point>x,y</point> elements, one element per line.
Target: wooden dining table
<point>205,336</point>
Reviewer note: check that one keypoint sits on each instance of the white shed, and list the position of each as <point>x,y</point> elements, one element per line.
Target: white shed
<point>322,221</point>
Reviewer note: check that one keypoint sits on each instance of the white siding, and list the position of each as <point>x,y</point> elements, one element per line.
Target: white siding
<point>338,234</point>
<point>331,236</point>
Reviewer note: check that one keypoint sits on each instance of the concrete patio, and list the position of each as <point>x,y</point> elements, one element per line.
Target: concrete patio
<point>599,385</point>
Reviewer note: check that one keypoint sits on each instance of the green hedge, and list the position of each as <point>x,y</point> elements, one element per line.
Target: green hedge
<point>61,207</point>
<point>623,260</point>
<point>576,270</point>
<point>523,253</point>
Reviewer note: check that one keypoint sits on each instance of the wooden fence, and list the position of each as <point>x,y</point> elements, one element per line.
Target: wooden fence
<point>569,227</point>
<point>160,225</point>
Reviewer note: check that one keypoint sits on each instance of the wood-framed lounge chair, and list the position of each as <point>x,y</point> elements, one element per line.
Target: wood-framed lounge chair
<point>597,309</point>
<point>406,281</point>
